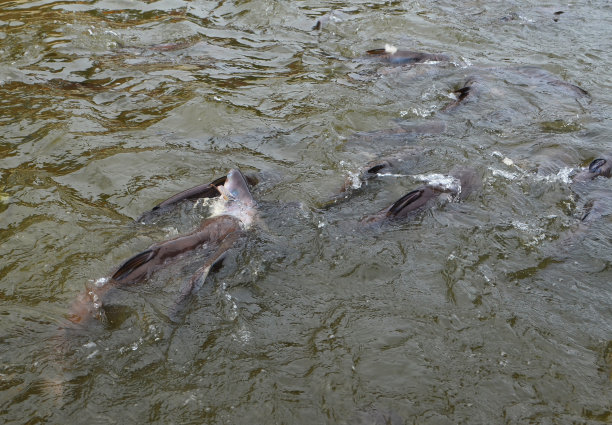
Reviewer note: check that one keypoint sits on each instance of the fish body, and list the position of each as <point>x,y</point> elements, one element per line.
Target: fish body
<point>218,233</point>
<point>598,167</point>
<point>405,57</point>
<point>464,182</point>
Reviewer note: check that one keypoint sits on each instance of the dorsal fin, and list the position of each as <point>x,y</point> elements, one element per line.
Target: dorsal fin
<point>132,264</point>
<point>404,201</point>
<point>377,52</point>
<point>201,191</point>
<point>376,168</point>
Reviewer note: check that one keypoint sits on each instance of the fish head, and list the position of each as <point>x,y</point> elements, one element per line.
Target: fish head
<point>236,189</point>
<point>239,201</point>
<point>601,166</point>
<point>598,167</point>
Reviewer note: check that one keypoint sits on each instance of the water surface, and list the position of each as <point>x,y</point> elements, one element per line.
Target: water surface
<point>491,309</point>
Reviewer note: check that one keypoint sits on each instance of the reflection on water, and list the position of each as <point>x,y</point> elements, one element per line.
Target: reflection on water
<point>493,307</point>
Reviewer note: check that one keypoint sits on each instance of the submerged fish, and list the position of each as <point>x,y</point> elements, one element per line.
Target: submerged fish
<point>392,55</point>
<point>599,205</point>
<point>463,94</point>
<point>600,201</point>
<point>597,167</point>
<point>217,233</point>
<point>462,183</point>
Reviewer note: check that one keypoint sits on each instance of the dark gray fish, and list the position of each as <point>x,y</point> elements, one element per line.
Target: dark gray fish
<point>218,234</point>
<point>419,198</point>
<point>400,162</point>
<point>598,167</point>
<point>403,132</point>
<point>463,94</point>
<point>492,81</point>
<point>405,57</point>
<point>599,205</point>
<point>411,201</point>
<point>598,202</point>
<point>537,76</point>
<point>140,266</point>
<point>208,190</point>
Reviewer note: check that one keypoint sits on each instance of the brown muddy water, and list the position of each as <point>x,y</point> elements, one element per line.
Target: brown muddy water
<point>494,307</point>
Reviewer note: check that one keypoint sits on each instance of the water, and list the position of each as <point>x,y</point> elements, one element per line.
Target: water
<point>490,309</point>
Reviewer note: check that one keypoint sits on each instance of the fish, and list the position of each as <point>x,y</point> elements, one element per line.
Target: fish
<point>404,131</point>
<point>411,201</point>
<point>398,163</point>
<point>419,198</point>
<point>390,54</point>
<point>599,205</point>
<point>218,234</point>
<point>463,94</point>
<point>598,167</point>
<point>207,190</point>
<point>600,201</point>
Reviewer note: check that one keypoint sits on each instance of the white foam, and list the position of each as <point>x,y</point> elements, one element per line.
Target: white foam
<point>563,176</point>
<point>100,282</point>
<point>441,181</point>
<point>243,335</point>
<point>391,175</point>
<point>466,61</point>
<point>389,48</point>
<point>171,231</point>
<point>505,174</point>
<point>520,225</point>
<point>422,112</point>
<point>218,206</point>
<point>354,180</point>
<point>507,161</point>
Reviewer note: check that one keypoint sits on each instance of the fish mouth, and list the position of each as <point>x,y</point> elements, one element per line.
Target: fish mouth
<point>238,199</point>
<point>236,189</point>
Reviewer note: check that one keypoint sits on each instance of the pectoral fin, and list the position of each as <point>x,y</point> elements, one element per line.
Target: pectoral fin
<point>130,265</point>
<point>376,168</point>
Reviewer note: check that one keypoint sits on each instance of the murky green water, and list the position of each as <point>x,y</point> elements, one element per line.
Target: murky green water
<point>493,309</point>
